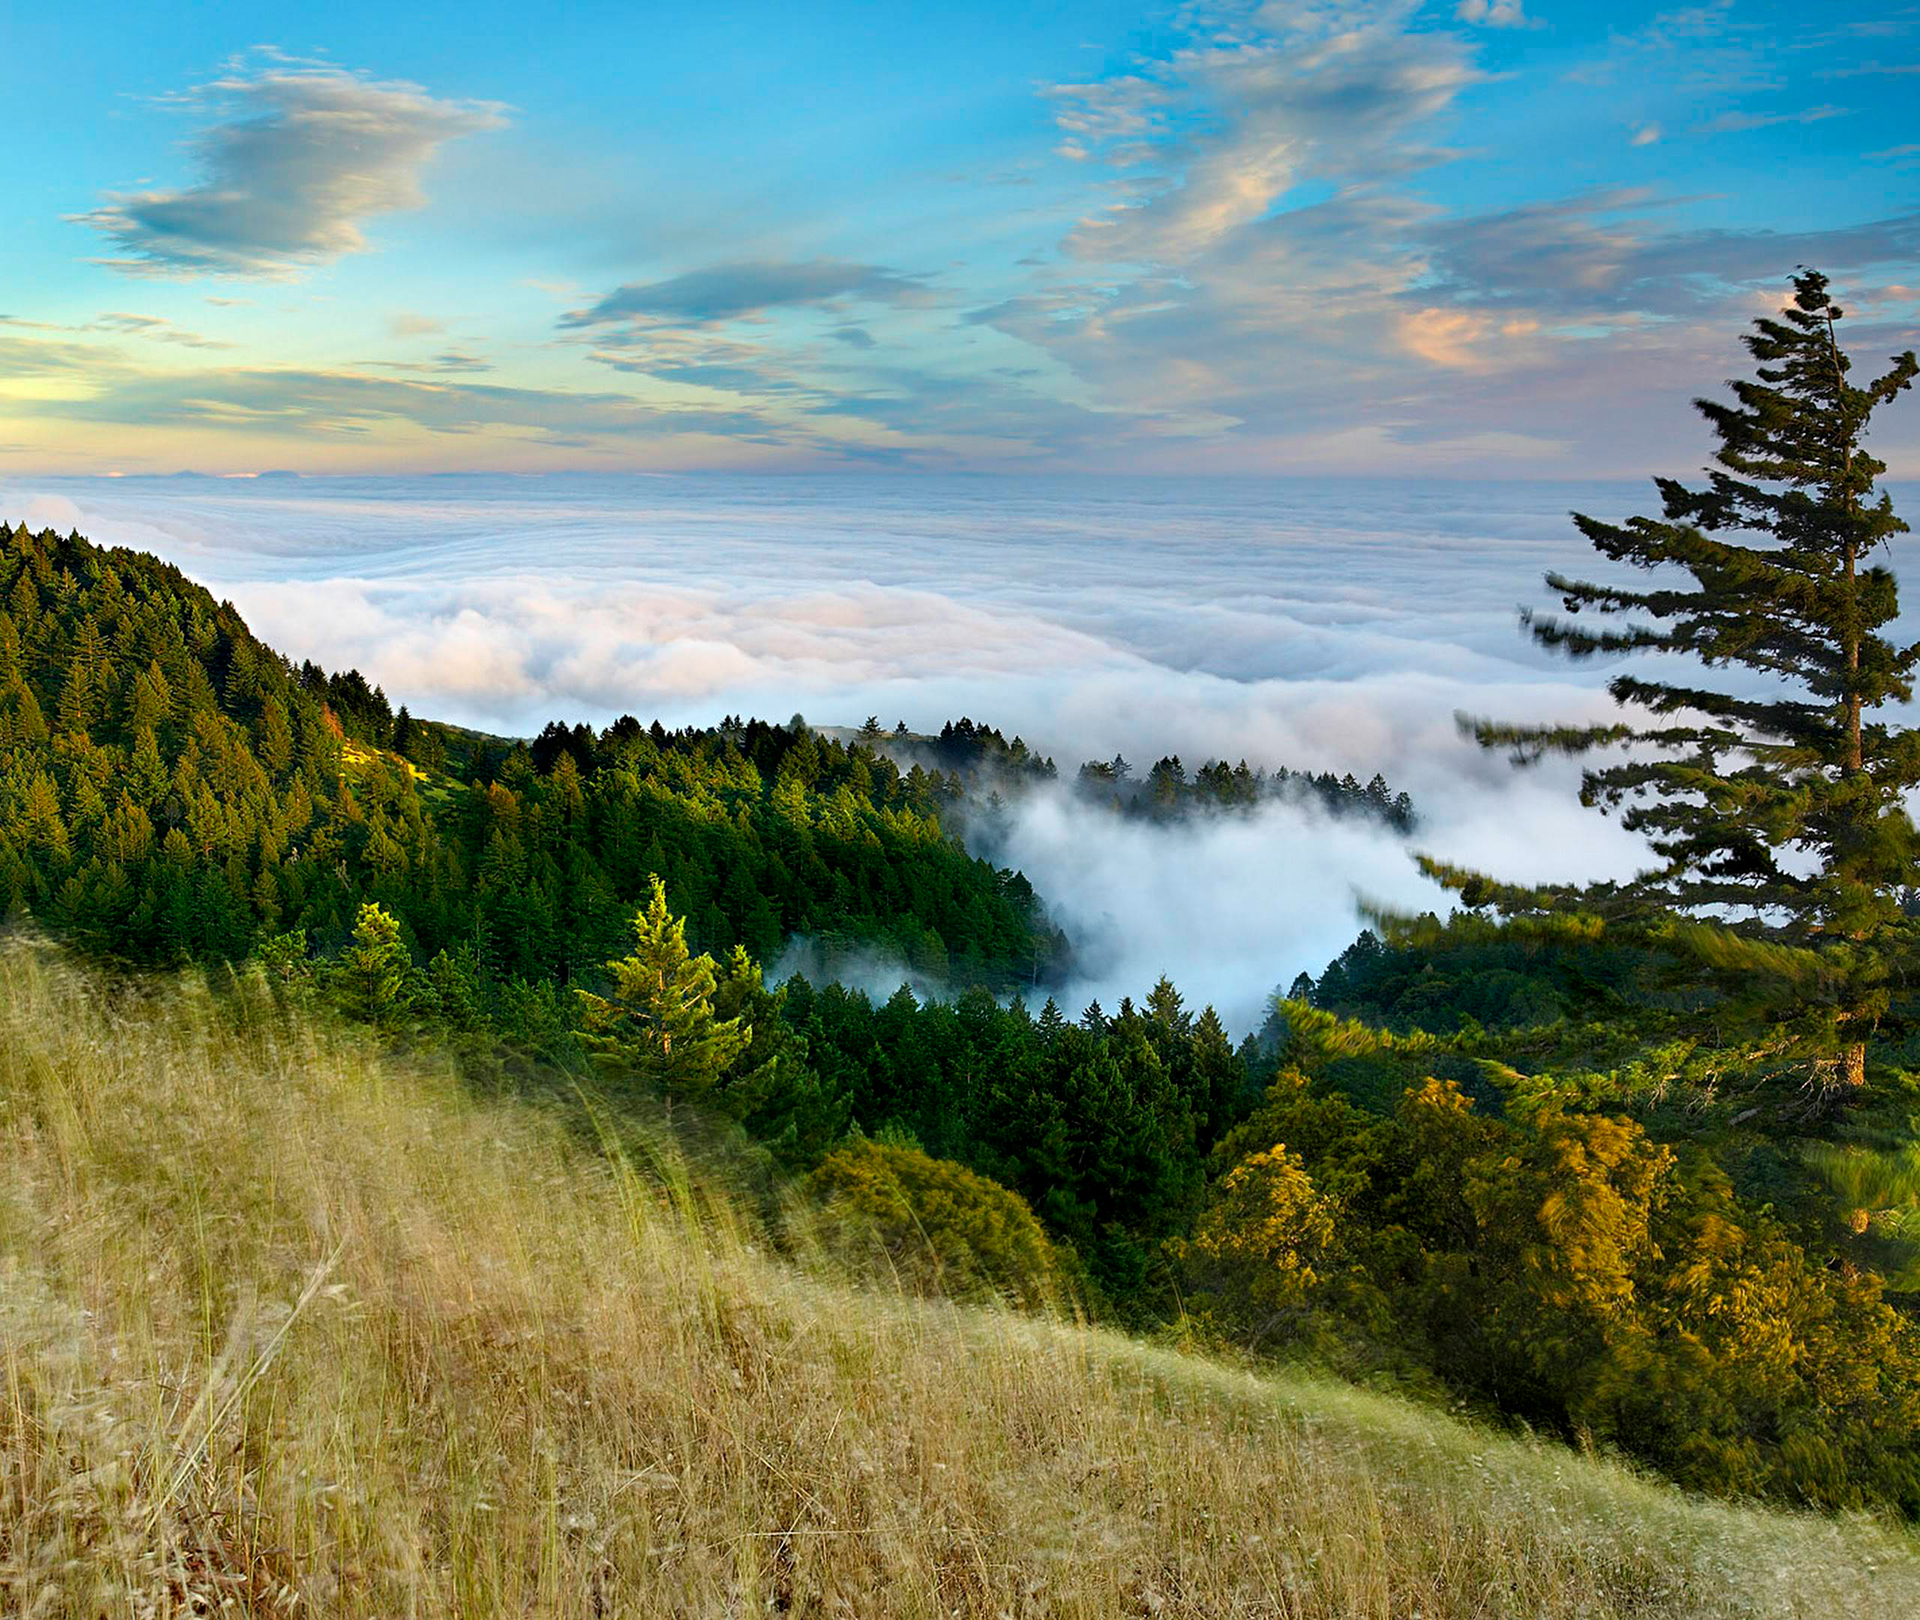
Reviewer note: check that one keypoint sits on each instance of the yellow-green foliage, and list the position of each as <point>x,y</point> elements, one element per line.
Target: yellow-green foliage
<point>941,1226</point>
<point>659,1022</point>
<point>288,1330</point>
<point>1569,1270</point>
<point>1259,1240</point>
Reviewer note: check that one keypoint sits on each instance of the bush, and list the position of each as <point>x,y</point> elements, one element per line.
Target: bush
<point>943,1228</point>
<point>1569,1271</point>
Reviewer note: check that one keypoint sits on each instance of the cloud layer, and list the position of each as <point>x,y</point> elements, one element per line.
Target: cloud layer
<point>299,157</point>
<point>1232,908</point>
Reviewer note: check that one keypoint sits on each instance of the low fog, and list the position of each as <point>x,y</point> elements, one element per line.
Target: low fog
<point>1321,626</point>
<point>1231,906</point>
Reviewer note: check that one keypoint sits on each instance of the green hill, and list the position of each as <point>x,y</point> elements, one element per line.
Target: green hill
<point>172,788</point>
<point>292,1328</point>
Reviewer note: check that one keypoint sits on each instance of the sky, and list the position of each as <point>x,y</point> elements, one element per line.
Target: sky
<point>1472,238</point>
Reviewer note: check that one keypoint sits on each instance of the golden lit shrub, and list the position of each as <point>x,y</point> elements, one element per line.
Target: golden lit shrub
<point>943,1228</point>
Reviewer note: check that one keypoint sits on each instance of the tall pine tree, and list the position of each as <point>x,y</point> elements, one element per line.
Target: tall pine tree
<point>1774,795</point>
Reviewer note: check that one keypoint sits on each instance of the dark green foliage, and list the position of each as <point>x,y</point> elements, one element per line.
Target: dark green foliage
<point>1102,1125</point>
<point>1468,971</point>
<point>1168,791</point>
<point>975,754</point>
<point>359,710</point>
<point>1777,801</point>
<point>189,794</point>
<point>170,787</point>
<point>772,1088</point>
<point>968,765</point>
<point>761,833</point>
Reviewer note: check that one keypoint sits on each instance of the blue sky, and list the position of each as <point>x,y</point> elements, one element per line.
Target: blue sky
<point>1482,236</point>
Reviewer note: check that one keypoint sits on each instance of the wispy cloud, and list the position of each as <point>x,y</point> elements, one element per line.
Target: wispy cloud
<point>39,357</point>
<point>723,291</point>
<point>300,157</point>
<point>1870,70</point>
<point>1493,13</point>
<point>1216,135</point>
<point>292,403</point>
<point>126,324</point>
<point>449,362</point>
<point>1738,122</point>
<point>154,326</point>
<point>1607,251</point>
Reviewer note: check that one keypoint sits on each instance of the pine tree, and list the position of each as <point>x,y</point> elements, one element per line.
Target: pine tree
<point>660,1022</point>
<point>74,713</point>
<point>1051,1022</point>
<point>24,608</point>
<point>372,971</point>
<point>276,737</point>
<point>1774,802</point>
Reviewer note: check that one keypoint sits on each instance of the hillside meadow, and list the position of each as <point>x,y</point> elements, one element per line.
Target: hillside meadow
<point>292,1327</point>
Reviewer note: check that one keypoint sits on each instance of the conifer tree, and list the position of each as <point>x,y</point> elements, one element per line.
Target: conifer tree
<point>372,971</point>
<point>1773,795</point>
<point>660,1023</point>
<point>74,713</point>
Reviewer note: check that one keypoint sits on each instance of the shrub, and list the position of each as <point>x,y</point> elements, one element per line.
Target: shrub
<point>943,1228</point>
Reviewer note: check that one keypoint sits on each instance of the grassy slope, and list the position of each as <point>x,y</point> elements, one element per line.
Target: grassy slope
<point>283,1323</point>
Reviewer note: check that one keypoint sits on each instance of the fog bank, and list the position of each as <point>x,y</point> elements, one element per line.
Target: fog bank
<point>1231,906</point>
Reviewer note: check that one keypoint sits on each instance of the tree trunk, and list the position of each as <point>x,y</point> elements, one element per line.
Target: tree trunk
<point>1855,759</point>
<point>1852,631</point>
<point>1853,1065</point>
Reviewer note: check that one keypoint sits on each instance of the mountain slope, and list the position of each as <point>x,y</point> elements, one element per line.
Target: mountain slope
<point>289,1324</point>
<point>172,788</point>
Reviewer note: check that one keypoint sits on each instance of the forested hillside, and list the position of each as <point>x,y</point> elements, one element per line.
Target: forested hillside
<point>973,765</point>
<point>171,787</point>
<point>174,789</point>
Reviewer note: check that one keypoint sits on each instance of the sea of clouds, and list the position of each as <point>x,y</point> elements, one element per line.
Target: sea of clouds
<point>1327,626</point>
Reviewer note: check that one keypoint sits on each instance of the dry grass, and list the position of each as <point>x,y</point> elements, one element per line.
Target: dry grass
<point>289,1330</point>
